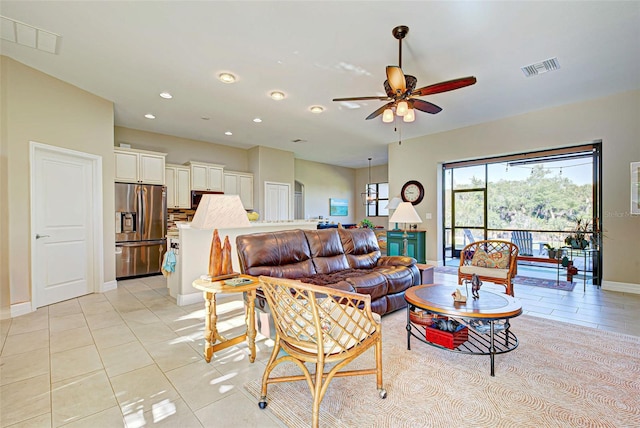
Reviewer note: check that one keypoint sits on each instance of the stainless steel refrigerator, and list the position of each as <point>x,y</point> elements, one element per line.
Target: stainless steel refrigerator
<point>141,229</point>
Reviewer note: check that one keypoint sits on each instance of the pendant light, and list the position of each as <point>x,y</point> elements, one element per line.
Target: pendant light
<point>369,197</point>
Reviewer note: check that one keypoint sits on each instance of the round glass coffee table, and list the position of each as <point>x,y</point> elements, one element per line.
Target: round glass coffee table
<point>486,318</point>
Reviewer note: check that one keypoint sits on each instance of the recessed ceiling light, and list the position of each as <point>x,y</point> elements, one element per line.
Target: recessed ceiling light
<point>257,120</point>
<point>166,95</point>
<point>316,109</point>
<point>149,116</point>
<point>226,77</point>
<point>228,133</point>
<point>277,95</point>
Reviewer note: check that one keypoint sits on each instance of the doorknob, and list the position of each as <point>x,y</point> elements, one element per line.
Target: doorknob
<point>38,236</point>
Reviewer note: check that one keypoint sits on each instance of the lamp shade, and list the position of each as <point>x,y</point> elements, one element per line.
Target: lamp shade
<point>393,203</point>
<point>220,212</point>
<point>402,108</point>
<point>410,116</point>
<point>405,213</point>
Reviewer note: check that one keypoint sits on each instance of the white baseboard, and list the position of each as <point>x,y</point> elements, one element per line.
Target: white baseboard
<point>435,262</point>
<point>108,286</point>
<point>624,287</point>
<point>21,309</point>
<point>189,299</point>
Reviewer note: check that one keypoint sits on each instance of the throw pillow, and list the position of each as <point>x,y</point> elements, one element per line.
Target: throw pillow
<point>497,259</point>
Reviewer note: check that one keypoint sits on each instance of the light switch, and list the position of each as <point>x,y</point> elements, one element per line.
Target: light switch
<point>427,216</point>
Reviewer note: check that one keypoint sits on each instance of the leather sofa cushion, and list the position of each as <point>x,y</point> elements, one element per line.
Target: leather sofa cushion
<point>371,283</point>
<point>292,271</point>
<point>360,247</point>
<point>326,250</point>
<point>283,254</point>
<point>398,278</point>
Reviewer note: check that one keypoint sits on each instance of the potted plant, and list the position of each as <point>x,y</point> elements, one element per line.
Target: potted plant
<point>552,251</point>
<point>577,239</point>
<point>366,223</point>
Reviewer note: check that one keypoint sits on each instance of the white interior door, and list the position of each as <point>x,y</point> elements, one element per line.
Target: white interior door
<point>63,211</point>
<point>276,201</point>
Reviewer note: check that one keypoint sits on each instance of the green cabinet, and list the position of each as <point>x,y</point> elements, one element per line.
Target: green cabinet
<point>415,244</point>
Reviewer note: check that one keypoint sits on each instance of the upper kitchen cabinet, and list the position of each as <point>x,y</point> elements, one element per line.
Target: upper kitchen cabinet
<point>138,166</point>
<point>207,176</point>
<point>240,183</point>
<point>178,181</point>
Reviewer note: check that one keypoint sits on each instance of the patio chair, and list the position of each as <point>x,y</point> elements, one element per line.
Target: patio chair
<point>468,236</point>
<point>524,241</point>
<point>325,327</point>
<point>492,260</point>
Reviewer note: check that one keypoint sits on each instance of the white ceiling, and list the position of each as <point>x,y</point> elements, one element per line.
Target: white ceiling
<point>129,52</point>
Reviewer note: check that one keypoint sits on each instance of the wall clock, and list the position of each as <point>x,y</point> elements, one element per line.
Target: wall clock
<point>413,192</point>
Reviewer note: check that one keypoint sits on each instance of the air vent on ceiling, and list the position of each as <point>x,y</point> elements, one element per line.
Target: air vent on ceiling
<point>541,67</point>
<point>28,35</point>
<point>298,140</point>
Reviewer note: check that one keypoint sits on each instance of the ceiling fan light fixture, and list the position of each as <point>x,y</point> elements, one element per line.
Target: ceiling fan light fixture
<point>410,116</point>
<point>402,108</point>
<point>387,115</point>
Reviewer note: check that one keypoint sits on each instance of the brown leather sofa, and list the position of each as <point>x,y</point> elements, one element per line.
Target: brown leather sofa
<point>346,259</point>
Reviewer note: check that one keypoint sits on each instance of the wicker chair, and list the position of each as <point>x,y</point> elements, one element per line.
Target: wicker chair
<point>323,326</point>
<point>494,250</point>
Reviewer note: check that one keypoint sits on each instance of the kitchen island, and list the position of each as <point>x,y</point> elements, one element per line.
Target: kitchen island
<point>192,254</point>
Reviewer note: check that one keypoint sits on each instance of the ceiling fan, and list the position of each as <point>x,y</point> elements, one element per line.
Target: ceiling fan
<point>401,89</point>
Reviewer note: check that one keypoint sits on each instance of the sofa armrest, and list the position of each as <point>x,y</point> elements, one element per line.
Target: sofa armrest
<point>396,261</point>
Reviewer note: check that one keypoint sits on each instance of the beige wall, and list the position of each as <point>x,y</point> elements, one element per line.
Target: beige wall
<point>615,120</point>
<point>273,165</point>
<point>38,107</point>
<point>322,182</point>
<point>379,174</point>
<point>182,150</point>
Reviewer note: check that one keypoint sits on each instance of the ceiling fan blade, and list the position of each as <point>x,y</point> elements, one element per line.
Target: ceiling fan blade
<point>362,98</point>
<point>380,110</point>
<point>426,106</point>
<point>449,85</point>
<point>396,79</point>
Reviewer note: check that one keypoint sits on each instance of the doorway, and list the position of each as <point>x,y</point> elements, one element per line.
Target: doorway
<point>469,213</point>
<point>277,201</point>
<point>66,224</point>
<point>298,201</point>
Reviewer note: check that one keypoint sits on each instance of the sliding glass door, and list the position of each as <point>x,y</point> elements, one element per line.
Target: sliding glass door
<point>539,195</point>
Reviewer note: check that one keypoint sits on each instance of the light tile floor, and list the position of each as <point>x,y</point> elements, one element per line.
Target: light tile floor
<point>131,357</point>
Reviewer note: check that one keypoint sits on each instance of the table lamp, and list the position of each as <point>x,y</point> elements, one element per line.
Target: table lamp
<point>405,213</point>
<point>220,212</point>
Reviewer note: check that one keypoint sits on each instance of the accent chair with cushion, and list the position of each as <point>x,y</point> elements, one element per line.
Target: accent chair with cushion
<point>492,260</point>
<point>324,327</point>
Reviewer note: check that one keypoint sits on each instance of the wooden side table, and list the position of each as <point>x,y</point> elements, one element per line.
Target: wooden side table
<point>426,272</point>
<point>214,341</point>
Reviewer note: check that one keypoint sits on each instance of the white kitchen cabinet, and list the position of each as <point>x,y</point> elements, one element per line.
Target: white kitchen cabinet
<point>138,166</point>
<point>240,183</point>
<point>178,182</point>
<point>206,176</point>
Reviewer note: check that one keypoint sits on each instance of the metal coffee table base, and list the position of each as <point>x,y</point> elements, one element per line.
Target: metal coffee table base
<point>493,343</point>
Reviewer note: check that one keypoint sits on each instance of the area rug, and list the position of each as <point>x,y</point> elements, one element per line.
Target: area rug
<point>561,375</point>
<point>522,280</point>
